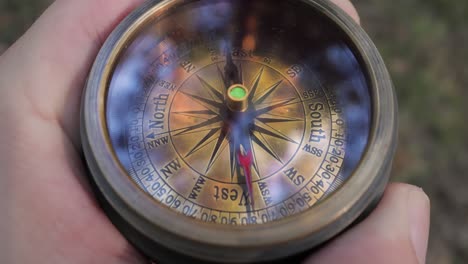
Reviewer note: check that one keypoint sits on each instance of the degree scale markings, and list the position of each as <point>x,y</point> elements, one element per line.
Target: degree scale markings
<point>279,206</point>
<point>273,213</point>
<point>280,209</point>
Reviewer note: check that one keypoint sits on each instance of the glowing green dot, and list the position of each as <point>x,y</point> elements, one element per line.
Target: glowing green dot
<point>238,92</point>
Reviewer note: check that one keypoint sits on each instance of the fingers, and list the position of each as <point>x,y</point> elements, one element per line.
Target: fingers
<point>349,8</point>
<point>396,232</point>
<point>49,64</point>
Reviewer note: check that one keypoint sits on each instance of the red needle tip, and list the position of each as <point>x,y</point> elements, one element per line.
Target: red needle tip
<point>246,160</point>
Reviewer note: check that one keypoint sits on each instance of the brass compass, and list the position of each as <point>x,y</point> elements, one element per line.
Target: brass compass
<point>237,131</point>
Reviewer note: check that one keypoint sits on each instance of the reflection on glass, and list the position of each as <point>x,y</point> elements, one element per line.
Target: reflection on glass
<point>305,127</point>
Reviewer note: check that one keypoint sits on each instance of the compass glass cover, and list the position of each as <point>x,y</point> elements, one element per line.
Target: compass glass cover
<point>239,112</point>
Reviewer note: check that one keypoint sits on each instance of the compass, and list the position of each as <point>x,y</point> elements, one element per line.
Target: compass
<point>237,131</point>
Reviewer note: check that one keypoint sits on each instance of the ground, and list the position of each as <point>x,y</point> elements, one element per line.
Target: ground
<point>423,43</point>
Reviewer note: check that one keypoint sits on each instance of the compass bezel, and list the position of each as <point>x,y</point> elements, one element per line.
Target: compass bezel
<point>154,228</point>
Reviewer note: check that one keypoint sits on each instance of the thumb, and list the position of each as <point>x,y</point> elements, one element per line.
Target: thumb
<point>45,70</point>
<point>396,232</point>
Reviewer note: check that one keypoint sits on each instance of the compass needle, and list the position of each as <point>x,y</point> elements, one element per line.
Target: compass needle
<point>246,161</point>
<point>242,129</point>
<point>241,74</point>
<point>231,72</point>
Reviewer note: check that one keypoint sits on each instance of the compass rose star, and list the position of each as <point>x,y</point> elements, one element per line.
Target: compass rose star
<point>219,127</point>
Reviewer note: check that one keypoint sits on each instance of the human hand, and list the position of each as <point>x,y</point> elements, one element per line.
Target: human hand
<point>49,214</point>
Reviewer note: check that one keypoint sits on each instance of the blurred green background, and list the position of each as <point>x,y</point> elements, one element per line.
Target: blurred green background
<point>424,43</point>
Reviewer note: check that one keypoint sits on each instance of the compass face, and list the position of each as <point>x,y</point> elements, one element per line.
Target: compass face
<point>207,134</point>
<point>238,117</point>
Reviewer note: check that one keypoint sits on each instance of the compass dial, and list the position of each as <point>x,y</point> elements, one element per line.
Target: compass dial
<point>182,142</point>
<point>219,127</point>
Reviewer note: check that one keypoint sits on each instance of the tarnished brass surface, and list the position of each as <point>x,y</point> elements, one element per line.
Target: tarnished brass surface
<point>183,164</point>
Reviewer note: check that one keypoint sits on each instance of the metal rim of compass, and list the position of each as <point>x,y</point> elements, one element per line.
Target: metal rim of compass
<point>161,233</point>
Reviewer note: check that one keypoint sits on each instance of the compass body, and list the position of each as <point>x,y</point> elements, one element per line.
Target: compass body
<point>237,131</point>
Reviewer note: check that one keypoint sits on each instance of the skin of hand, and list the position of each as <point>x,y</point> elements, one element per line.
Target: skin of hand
<point>48,213</point>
